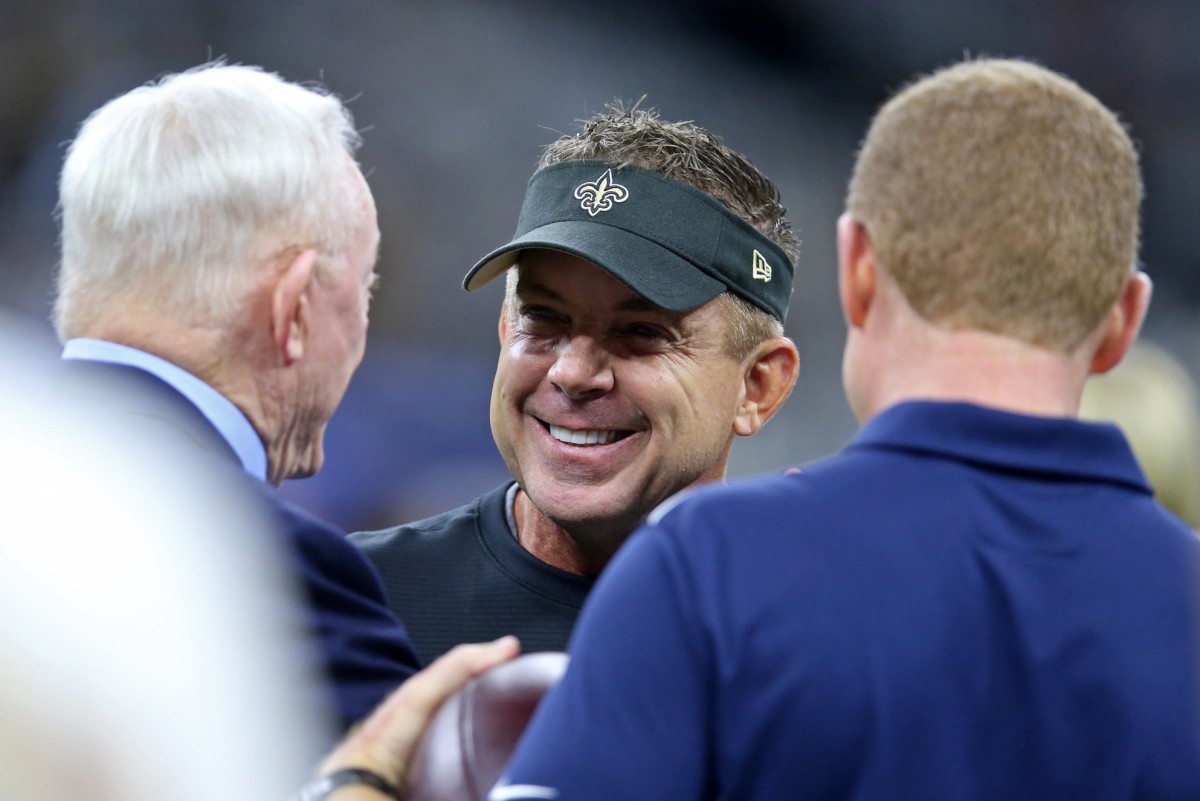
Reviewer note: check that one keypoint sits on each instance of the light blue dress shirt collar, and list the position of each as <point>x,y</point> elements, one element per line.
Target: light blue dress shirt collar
<point>219,410</point>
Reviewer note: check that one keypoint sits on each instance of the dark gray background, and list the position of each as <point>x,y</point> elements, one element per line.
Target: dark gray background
<point>456,98</point>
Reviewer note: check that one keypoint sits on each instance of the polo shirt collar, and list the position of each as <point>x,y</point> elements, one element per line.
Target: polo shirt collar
<point>1006,440</point>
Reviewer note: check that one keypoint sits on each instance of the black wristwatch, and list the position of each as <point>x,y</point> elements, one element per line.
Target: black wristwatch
<point>320,788</point>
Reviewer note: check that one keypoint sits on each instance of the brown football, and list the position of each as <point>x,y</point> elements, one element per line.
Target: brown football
<point>473,734</point>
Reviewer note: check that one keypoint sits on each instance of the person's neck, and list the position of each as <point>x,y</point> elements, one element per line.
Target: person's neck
<point>552,544</point>
<point>981,368</point>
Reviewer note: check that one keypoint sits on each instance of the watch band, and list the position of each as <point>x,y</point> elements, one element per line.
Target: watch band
<point>320,788</point>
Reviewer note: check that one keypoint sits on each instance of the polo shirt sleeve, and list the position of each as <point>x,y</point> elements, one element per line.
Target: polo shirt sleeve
<point>629,719</point>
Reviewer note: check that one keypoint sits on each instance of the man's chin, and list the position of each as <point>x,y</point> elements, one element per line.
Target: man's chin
<point>593,518</point>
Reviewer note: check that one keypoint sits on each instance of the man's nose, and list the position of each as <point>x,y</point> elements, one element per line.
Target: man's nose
<point>582,368</point>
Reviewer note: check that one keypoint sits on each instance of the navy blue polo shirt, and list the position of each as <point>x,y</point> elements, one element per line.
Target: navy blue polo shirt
<point>963,604</point>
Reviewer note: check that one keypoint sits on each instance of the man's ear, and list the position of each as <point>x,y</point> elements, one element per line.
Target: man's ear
<point>857,270</point>
<point>503,329</point>
<point>1123,322</point>
<point>768,380</point>
<point>289,305</point>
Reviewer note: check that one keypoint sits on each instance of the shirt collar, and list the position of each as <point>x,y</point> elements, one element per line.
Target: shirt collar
<point>229,421</point>
<point>1055,445</point>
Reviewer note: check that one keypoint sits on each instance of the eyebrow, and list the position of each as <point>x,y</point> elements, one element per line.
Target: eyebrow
<point>527,289</point>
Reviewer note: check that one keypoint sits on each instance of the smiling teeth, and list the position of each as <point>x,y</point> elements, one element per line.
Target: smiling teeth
<point>582,437</point>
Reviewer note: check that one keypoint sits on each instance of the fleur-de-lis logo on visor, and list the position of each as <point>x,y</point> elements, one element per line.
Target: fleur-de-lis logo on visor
<point>600,195</point>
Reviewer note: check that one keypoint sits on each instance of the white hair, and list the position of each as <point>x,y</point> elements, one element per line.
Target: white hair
<point>173,192</point>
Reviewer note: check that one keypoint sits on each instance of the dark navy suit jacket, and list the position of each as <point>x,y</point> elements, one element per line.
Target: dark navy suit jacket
<point>365,650</point>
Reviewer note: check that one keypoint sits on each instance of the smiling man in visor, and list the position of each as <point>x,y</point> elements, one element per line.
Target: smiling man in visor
<point>642,329</point>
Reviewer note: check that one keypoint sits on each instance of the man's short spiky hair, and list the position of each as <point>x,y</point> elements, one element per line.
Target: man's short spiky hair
<point>626,134</point>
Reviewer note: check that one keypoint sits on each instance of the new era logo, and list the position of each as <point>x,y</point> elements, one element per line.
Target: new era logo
<point>761,269</point>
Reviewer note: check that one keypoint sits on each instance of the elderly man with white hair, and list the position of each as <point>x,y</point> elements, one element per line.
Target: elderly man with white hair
<point>218,252</point>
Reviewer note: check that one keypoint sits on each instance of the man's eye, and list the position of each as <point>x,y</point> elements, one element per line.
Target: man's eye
<point>540,318</point>
<point>644,331</point>
<point>538,313</point>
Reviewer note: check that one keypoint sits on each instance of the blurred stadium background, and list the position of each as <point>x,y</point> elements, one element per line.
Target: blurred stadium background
<point>455,99</point>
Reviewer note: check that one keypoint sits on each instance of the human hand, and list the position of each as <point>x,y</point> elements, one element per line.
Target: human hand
<point>386,741</point>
